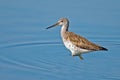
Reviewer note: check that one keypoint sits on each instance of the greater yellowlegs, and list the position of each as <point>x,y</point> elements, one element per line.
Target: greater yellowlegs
<point>75,43</point>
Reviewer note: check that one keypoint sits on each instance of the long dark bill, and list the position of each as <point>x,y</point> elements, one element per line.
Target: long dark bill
<point>52,26</point>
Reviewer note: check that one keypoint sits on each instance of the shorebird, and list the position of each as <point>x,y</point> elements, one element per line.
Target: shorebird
<point>75,43</point>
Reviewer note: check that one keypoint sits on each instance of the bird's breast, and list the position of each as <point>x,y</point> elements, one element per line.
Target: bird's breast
<point>73,48</point>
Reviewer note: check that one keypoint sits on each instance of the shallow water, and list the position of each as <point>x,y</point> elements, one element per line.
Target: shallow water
<point>29,51</point>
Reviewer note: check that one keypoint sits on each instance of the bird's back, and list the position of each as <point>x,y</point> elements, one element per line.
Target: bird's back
<point>82,42</point>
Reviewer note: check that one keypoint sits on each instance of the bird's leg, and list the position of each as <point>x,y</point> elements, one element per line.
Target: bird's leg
<point>80,57</point>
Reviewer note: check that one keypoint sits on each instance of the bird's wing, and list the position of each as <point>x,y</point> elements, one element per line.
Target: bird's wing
<point>81,42</point>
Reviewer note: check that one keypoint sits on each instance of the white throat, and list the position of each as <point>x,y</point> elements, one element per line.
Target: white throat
<point>63,30</point>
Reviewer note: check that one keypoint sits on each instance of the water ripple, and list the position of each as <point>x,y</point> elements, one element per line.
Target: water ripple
<point>22,65</point>
<point>30,44</point>
<point>112,77</point>
<point>36,43</point>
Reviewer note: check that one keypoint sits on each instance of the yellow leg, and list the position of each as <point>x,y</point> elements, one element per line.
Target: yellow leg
<point>80,57</point>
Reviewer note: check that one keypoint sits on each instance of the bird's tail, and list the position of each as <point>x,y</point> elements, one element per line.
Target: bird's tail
<point>104,49</point>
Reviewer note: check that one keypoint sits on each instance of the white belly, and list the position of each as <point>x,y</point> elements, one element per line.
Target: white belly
<point>76,51</point>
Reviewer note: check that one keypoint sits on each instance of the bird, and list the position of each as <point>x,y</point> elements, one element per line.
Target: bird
<point>75,43</point>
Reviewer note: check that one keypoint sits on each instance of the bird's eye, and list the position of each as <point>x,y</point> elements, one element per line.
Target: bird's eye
<point>62,21</point>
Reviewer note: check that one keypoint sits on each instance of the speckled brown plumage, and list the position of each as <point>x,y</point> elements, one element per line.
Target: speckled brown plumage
<point>82,42</point>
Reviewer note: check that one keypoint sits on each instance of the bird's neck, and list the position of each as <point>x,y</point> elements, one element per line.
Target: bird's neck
<point>64,29</point>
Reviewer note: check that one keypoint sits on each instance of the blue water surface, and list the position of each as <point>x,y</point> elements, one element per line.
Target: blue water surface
<point>30,52</point>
